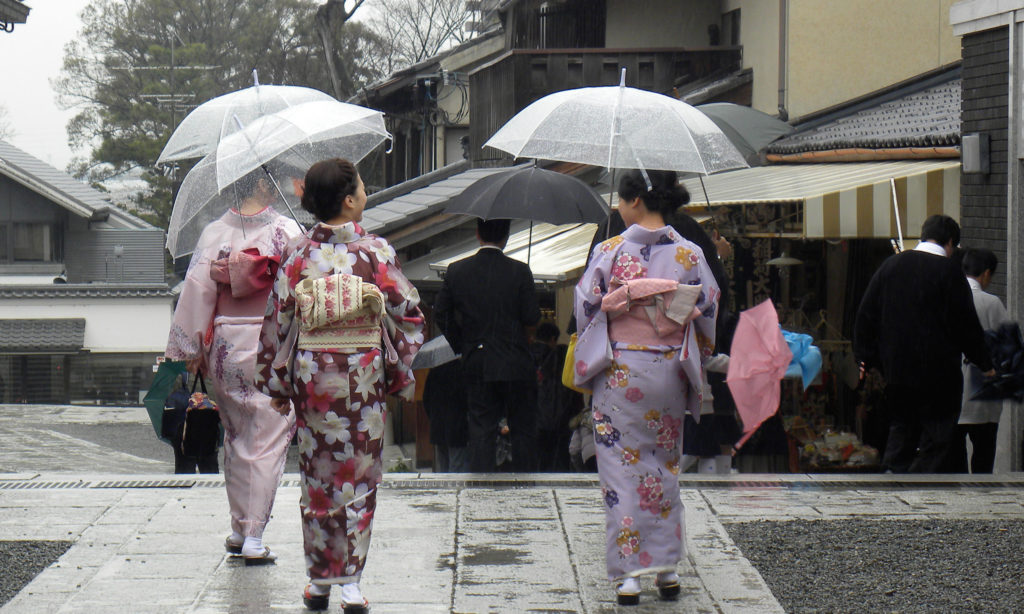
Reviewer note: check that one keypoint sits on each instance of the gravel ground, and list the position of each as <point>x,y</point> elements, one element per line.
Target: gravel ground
<point>20,561</point>
<point>889,566</point>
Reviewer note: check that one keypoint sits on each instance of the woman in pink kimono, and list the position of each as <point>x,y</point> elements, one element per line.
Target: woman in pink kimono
<point>216,328</point>
<point>646,308</point>
<point>343,329</point>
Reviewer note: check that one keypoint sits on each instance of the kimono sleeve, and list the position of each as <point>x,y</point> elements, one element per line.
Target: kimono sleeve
<point>403,320</point>
<point>194,312</point>
<point>706,323</point>
<point>593,348</point>
<point>279,333</point>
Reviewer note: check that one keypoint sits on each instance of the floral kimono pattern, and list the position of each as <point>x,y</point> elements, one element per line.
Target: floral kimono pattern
<point>210,321</point>
<point>642,390</point>
<point>339,397</point>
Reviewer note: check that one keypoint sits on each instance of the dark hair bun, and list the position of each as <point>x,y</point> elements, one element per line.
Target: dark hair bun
<point>327,184</point>
<point>665,194</point>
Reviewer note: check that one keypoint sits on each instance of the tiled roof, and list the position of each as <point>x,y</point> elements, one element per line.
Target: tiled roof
<point>60,187</point>
<point>97,290</point>
<point>42,336</point>
<point>926,118</point>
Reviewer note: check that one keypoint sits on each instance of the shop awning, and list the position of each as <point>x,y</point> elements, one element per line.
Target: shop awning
<point>557,253</point>
<point>46,336</point>
<point>843,200</point>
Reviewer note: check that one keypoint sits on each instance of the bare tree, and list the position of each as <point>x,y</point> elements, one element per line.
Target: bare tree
<point>414,30</point>
<point>331,14</point>
<point>6,129</point>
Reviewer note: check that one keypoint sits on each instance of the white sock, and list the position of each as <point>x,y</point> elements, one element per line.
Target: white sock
<point>723,464</point>
<point>236,537</point>
<point>706,465</point>
<point>253,546</point>
<point>319,590</point>
<point>668,577</point>
<point>685,462</point>
<point>629,586</point>
<point>351,594</point>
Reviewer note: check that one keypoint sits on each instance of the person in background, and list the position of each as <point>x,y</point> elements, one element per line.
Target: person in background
<point>649,295</point>
<point>486,304</point>
<point>216,328</point>
<point>915,322</point>
<point>444,400</point>
<point>979,420</point>
<point>342,327</point>
<point>555,402</point>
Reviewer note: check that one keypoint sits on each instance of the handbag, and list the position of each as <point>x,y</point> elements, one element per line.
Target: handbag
<point>202,422</point>
<point>569,368</point>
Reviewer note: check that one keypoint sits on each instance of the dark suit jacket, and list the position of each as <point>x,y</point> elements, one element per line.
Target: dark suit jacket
<point>485,305</point>
<point>916,320</point>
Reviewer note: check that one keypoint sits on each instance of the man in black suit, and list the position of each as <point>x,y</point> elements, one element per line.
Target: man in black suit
<point>486,303</point>
<point>915,321</point>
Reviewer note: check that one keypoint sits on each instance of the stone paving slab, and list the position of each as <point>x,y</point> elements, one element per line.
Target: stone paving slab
<point>462,549</point>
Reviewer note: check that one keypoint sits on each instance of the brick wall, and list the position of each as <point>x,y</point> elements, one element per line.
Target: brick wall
<point>984,109</point>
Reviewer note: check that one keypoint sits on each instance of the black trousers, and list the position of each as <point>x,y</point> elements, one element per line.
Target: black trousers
<point>921,430</point>
<point>983,440</point>
<point>488,403</point>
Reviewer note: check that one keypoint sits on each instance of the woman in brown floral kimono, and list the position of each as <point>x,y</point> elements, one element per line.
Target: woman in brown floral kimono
<point>342,327</point>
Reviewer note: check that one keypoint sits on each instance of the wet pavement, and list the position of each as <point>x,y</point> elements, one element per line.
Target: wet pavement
<point>148,541</point>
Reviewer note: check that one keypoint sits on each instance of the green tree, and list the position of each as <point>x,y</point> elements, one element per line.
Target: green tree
<point>119,73</point>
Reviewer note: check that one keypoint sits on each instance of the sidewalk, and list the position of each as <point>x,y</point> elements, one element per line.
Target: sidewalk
<point>150,541</point>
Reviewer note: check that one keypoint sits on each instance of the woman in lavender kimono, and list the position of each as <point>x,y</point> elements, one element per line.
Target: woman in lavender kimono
<point>646,306</point>
<point>216,329</point>
<point>337,370</point>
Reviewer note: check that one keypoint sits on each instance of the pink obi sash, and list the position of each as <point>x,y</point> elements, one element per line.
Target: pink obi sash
<point>650,312</point>
<point>339,313</point>
<point>246,272</point>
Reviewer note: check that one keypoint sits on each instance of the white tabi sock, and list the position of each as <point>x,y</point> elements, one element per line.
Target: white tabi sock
<point>351,595</point>
<point>668,577</point>
<point>319,590</point>
<point>253,546</point>
<point>629,586</point>
<point>723,464</point>
<point>236,538</point>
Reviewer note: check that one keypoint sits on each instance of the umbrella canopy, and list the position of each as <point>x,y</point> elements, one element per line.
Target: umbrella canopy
<point>434,353</point>
<point>198,134</point>
<point>618,127</point>
<point>200,202</point>
<point>758,360</point>
<point>749,130</point>
<point>302,134</point>
<point>159,390</point>
<point>530,193</point>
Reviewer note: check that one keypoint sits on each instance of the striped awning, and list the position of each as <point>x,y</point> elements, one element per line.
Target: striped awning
<point>844,200</point>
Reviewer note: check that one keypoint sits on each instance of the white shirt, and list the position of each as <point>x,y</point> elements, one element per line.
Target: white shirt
<point>931,248</point>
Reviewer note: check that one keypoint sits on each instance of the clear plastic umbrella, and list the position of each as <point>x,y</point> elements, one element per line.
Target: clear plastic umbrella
<point>198,134</point>
<point>302,134</point>
<point>200,202</point>
<point>618,127</point>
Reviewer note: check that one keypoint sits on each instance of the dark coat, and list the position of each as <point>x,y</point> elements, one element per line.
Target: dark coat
<point>444,400</point>
<point>484,307</point>
<point>915,321</point>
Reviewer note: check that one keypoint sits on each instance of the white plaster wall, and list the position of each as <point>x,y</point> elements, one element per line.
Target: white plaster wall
<point>660,23</point>
<point>111,324</point>
<point>759,35</point>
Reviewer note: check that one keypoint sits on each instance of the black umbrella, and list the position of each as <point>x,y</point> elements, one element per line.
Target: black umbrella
<point>530,193</point>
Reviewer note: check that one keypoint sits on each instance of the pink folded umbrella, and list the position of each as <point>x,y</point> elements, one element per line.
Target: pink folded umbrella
<point>757,363</point>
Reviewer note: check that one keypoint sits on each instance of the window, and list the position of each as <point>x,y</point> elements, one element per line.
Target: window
<point>29,242</point>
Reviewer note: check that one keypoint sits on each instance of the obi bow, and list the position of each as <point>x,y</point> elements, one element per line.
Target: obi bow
<point>341,313</point>
<point>245,271</point>
<point>675,302</point>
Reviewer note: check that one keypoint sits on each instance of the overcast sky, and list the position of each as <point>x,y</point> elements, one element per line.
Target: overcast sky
<point>31,56</point>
